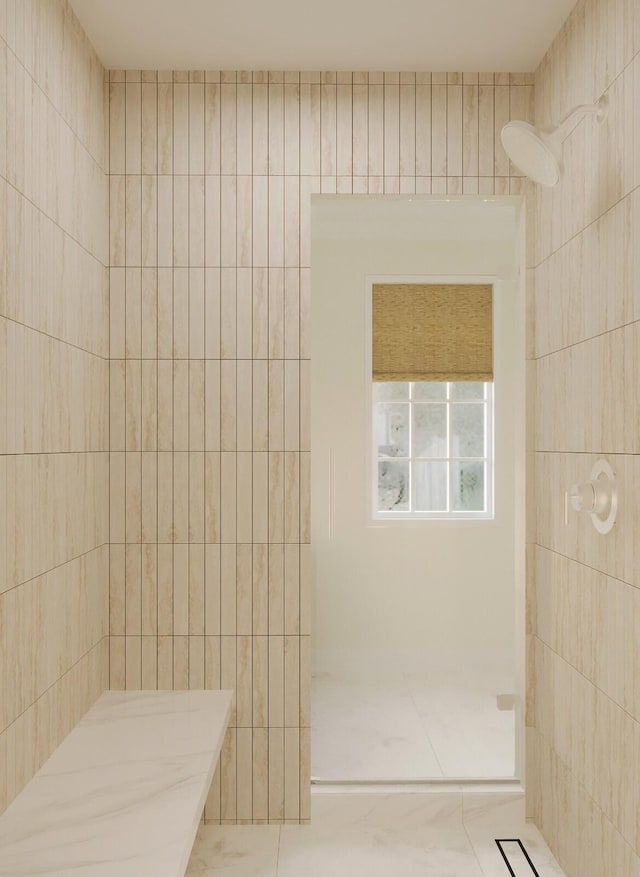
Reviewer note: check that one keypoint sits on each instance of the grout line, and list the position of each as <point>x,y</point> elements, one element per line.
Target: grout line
<point>173,405</point>
<point>301,790</point>
<point>581,231</point>
<point>9,319</point>
<point>252,484</point>
<point>188,490</point>
<point>424,725</point>
<point>235,444</point>
<point>141,410</point>
<point>221,92</point>
<point>108,182</point>
<point>577,343</point>
<point>54,222</point>
<point>58,681</point>
<point>279,850</point>
<point>206,359</point>
<point>57,111</point>
<point>57,453</point>
<point>268,444</point>
<point>615,703</point>
<point>588,796</point>
<point>589,453</point>
<point>471,843</point>
<point>53,568</point>
<point>124,347</point>
<point>157,372</point>
<point>204,385</point>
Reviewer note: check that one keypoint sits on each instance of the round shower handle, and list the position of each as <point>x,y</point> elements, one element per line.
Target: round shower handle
<point>598,497</point>
<point>583,497</point>
<point>592,496</point>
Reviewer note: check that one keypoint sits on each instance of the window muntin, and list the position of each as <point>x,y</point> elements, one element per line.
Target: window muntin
<point>432,450</point>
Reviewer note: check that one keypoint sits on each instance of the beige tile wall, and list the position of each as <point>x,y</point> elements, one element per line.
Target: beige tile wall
<point>211,177</point>
<point>54,383</point>
<point>584,712</point>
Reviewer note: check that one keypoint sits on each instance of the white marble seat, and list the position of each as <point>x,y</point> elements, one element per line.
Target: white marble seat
<point>124,792</point>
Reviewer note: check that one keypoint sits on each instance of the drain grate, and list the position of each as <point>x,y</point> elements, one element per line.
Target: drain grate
<point>516,858</point>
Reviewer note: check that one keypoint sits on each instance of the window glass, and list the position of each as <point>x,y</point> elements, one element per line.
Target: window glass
<point>429,430</point>
<point>430,486</point>
<point>467,430</point>
<point>467,390</point>
<point>431,446</point>
<point>393,486</point>
<point>428,391</point>
<point>392,430</point>
<point>391,391</point>
<point>467,486</point>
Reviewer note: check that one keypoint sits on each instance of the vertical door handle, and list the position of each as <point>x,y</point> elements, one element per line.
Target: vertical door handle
<point>332,507</point>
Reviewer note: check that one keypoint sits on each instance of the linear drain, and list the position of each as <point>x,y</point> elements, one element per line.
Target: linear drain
<point>516,858</point>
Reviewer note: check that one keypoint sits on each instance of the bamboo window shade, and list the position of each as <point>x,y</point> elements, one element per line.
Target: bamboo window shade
<point>432,332</point>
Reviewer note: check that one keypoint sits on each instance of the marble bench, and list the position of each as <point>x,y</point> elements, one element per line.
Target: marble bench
<point>124,792</point>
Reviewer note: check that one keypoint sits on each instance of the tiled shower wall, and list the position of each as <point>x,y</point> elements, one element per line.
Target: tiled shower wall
<point>211,178</point>
<point>54,372</point>
<point>584,740</point>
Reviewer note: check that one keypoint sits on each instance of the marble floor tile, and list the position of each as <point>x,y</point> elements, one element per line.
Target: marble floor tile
<point>491,861</point>
<point>490,807</point>
<point>382,835</point>
<point>235,851</point>
<point>307,851</point>
<point>441,807</point>
<point>410,728</point>
<point>364,732</point>
<point>500,814</point>
<point>469,735</point>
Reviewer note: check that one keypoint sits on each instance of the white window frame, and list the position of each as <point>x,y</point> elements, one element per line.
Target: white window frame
<point>377,516</point>
<point>487,461</point>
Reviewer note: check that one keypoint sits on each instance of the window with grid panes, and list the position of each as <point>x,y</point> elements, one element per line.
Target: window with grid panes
<point>432,450</point>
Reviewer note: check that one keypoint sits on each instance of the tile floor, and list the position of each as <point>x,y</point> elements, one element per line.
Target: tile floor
<point>409,727</point>
<point>353,834</point>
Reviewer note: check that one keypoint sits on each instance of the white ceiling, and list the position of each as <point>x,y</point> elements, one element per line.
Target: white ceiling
<point>395,35</point>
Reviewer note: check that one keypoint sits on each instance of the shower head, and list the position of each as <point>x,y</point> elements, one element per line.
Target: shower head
<point>536,156</point>
<point>537,152</point>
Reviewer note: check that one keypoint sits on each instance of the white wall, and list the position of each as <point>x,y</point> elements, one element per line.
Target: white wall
<point>398,596</point>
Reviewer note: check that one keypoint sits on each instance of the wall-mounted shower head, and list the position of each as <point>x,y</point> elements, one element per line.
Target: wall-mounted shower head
<point>537,152</point>
<point>531,153</point>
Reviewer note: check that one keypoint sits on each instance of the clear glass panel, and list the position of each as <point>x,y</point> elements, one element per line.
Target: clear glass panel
<point>392,430</point>
<point>393,486</point>
<point>467,390</point>
<point>467,430</point>
<point>467,487</point>
<point>390,391</point>
<point>429,430</point>
<point>429,391</point>
<point>430,487</point>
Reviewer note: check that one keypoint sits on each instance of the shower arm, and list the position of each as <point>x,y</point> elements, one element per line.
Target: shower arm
<point>559,133</point>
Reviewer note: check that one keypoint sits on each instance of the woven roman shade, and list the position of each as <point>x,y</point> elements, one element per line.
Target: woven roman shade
<point>432,332</point>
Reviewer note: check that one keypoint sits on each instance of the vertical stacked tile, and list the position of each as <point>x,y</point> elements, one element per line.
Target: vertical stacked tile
<point>584,717</point>
<point>54,373</point>
<point>211,181</point>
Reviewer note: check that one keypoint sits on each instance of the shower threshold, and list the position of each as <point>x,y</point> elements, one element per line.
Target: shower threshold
<point>511,782</point>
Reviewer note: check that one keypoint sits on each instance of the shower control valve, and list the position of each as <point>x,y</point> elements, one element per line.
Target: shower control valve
<point>589,497</point>
<point>598,497</point>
